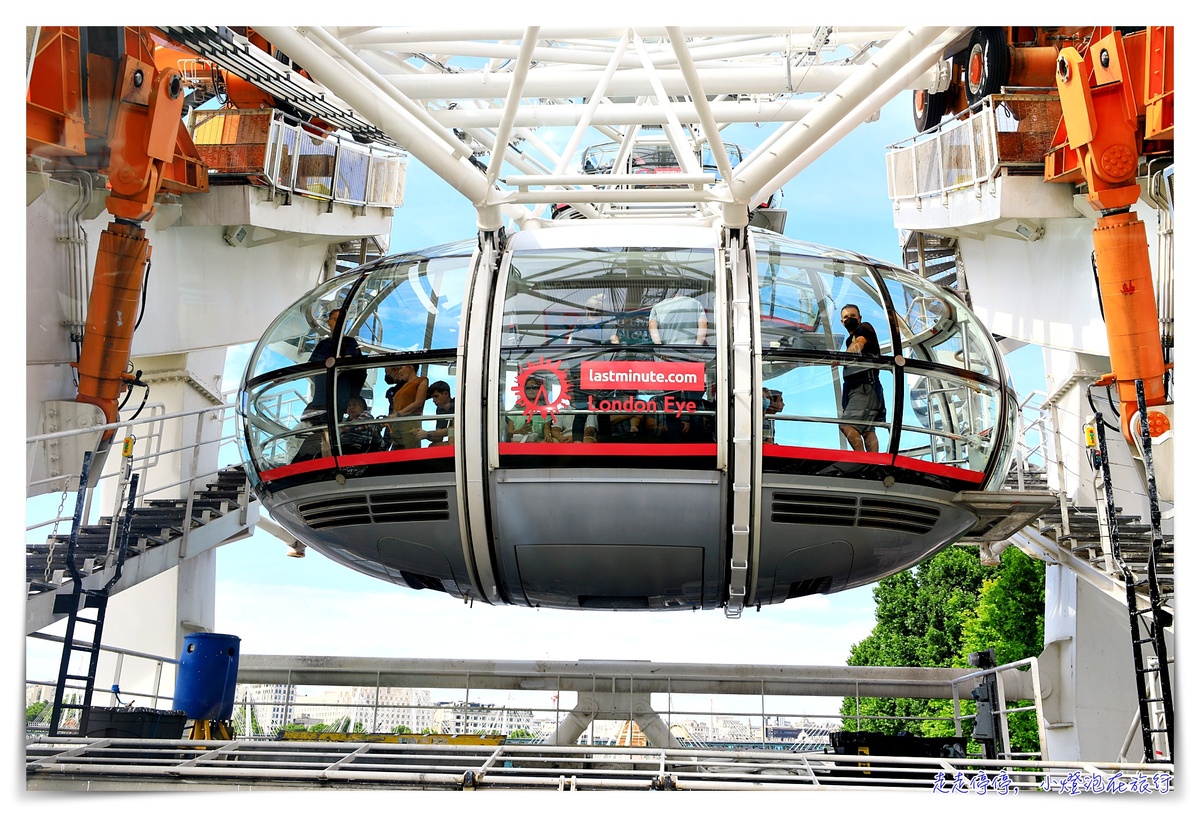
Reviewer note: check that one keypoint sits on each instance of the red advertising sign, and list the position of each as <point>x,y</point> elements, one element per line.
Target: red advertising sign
<point>613,375</point>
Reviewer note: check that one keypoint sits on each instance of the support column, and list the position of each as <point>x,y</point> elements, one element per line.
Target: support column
<point>155,615</point>
<point>615,706</point>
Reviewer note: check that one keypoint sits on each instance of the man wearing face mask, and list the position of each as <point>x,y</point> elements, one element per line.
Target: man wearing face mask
<point>862,393</point>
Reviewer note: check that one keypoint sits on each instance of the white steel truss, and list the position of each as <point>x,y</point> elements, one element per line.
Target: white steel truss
<point>471,104</point>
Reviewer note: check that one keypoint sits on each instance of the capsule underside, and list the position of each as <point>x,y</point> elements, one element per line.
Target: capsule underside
<point>612,450</point>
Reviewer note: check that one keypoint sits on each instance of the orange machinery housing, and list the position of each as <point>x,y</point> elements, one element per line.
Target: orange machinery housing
<point>96,101</point>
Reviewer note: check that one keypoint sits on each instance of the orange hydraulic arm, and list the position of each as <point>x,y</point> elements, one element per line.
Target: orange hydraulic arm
<point>142,140</point>
<point>96,100</point>
<point>1099,142</point>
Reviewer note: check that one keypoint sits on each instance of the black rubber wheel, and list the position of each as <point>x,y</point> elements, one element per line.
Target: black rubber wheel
<point>987,63</point>
<point>928,109</point>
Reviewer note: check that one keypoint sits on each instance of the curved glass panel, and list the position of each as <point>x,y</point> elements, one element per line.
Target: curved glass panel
<point>950,420</point>
<point>817,396</point>
<point>803,406</point>
<point>608,345</point>
<point>275,430</point>
<point>411,305</point>
<point>407,303</point>
<point>935,326</point>
<point>801,299</point>
<point>287,426</point>
<point>295,335</point>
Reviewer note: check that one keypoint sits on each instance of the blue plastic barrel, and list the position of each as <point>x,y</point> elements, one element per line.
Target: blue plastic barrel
<point>207,677</point>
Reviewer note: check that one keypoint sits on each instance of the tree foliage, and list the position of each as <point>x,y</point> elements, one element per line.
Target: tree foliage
<point>936,615</point>
<point>35,710</point>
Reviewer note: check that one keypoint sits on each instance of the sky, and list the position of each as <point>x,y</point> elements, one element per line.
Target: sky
<point>313,606</point>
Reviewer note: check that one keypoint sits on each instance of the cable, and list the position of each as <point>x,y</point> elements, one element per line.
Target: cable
<point>220,90</point>
<point>142,306</point>
<point>1096,278</point>
<point>137,381</point>
<point>1097,411</point>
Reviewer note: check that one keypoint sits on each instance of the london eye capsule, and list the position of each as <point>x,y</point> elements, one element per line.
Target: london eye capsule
<point>606,415</point>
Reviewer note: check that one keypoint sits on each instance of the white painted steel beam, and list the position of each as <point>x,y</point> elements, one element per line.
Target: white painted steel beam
<point>619,113</point>
<point>904,57</point>
<point>568,84</point>
<point>504,130</point>
<point>411,85</point>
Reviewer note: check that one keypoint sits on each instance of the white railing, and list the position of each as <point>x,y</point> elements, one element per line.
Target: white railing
<point>154,697</point>
<point>77,763</point>
<point>294,157</point>
<point>1035,435</point>
<point>148,431</point>
<point>1000,133</point>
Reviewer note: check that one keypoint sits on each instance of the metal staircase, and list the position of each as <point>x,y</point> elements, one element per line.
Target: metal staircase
<point>935,258</point>
<point>1133,554</point>
<point>1148,613</point>
<point>223,510</point>
<point>1130,553</point>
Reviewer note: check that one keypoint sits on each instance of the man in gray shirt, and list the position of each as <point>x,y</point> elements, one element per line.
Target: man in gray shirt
<point>678,320</point>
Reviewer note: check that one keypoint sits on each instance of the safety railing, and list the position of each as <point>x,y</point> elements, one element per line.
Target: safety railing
<point>1002,133</point>
<point>39,692</point>
<point>756,717</point>
<point>78,763</point>
<point>1035,437</point>
<point>148,433</point>
<point>287,155</point>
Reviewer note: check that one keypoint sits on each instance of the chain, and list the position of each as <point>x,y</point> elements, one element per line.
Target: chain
<point>62,503</point>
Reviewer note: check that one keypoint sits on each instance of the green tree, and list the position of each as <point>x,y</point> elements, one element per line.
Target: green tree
<point>935,615</point>
<point>34,710</point>
<point>402,729</point>
<point>238,722</point>
<point>1002,621</point>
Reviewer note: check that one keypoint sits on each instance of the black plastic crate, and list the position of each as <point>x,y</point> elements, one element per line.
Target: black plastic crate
<point>135,722</point>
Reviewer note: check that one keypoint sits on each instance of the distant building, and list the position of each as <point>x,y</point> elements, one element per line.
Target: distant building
<point>464,718</point>
<point>377,709</point>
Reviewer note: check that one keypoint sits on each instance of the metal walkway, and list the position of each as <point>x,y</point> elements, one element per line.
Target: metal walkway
<point>149,765</point>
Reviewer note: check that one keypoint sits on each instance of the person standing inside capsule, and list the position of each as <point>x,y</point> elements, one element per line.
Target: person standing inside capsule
<point>407,401</point>
<point>862,393</point>
<point>349,381</point>
<point>680,320</point>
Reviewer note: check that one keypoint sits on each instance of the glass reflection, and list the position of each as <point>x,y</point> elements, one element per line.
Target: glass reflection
<point>295,334</point>
<point>810,398</point>
<point>287,427</point>
<point>624,344</point>
<point>954,419</point>
<point>935,326</point>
